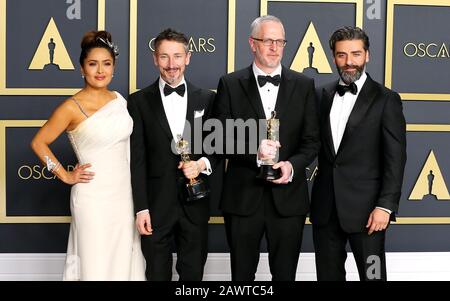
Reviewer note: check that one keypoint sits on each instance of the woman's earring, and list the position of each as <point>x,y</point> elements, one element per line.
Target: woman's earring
<point>82,75</point>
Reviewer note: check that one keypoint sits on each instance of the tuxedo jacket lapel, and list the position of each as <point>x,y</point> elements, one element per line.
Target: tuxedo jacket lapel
<point>251,89</point>
<point>327,102</point>
<point>362,104</point>
<point>284,93</point>
<point>192,105</point>
<point>157,107</point>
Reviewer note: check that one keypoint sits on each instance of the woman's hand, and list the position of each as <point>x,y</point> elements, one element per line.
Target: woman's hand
<point>79,175</point>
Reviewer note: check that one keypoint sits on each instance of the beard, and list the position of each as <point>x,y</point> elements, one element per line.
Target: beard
<point>266,61</point>
<point>171,78</point>
<point>349,77</point>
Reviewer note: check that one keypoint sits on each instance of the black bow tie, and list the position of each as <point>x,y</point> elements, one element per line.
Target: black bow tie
<point>169,90</point>
<point>352,88</point>
<point>275,80</point>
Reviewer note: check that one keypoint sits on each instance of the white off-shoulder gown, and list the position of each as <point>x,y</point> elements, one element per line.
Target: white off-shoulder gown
<point>103,241</point>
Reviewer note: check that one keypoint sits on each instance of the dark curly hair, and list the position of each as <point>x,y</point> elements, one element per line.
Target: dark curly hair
<point>349,33</point>
<point>96,39</point>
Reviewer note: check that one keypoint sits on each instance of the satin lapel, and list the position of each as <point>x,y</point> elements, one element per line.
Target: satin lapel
<point>249,85</point>
<point>362,104</point>
<point>327,102</point>
<point>157,107</point>
<point>284,93</point>
<point>192,105</point>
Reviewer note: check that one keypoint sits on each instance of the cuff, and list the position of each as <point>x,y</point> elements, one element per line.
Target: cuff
<point>208,169</point>
<point>384,209</point>
<point>292,173</point>
<point>258,162</point>
<point>142,211</point>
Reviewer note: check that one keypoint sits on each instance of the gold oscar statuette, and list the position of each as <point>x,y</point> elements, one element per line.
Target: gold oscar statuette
<point>267,172</point>
<point>196,187</point>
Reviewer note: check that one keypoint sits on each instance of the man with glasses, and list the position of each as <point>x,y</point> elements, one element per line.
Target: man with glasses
<point>254,207</point>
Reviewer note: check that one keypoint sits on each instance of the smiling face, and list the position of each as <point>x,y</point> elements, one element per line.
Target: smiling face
<point>350,59</point>
<point>171,58</point>
<point>98,68</point>
<point>267,58</point>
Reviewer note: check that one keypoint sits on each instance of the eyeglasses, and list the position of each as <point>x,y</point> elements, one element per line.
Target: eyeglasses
<point>269,42</point>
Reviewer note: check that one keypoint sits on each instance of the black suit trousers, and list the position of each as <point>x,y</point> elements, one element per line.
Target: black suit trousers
<point>190,241</point>
<point>283,235</point>
<point>330,242</point>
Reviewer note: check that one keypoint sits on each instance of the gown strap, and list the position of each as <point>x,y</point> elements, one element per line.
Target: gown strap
<point>79,106</point>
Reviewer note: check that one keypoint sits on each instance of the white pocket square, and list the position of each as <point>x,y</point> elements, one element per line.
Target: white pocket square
<point>198,114</point>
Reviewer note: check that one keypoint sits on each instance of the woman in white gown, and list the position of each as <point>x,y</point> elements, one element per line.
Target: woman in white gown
<point>103,241</point>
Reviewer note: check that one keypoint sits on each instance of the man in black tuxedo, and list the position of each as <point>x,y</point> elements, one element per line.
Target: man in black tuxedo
<point>361,164</point>
<point>254,207</point>
<point>162,111</point>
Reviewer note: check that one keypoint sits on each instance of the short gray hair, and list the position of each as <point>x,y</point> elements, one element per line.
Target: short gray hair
<point>256,24</point>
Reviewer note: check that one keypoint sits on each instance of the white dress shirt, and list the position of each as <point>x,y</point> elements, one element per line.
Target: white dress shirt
<point>269,91</point>
<point>340,112</point>
<point>341,109</point>
<point>175,107</point>
<point>268,94</point>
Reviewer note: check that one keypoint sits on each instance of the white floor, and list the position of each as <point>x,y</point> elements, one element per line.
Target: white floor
<point>400,266</point>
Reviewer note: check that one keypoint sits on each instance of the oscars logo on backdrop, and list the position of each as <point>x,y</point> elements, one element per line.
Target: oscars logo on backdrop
<point>37,172</point>
<point>310,58</point>
<point>201,44</point>
<point>429,50</point>
<point>51,54</point>
<point>430,186</point>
